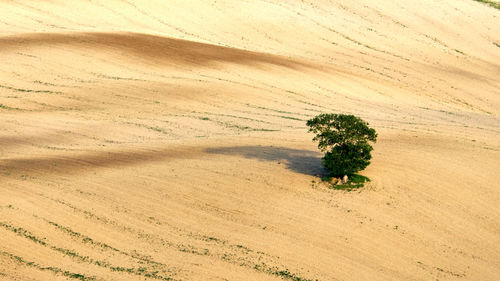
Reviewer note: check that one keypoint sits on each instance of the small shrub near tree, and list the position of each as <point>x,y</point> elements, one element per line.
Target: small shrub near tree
<point>345,139</point>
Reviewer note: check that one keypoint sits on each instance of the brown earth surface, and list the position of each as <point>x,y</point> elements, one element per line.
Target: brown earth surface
<point>166,140</point>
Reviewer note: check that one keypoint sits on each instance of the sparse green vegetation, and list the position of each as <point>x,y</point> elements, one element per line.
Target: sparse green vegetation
<point>8,107</point>
<point>55,270</point>
<point>291,118</point>
<point>283,273</point>
<point>23,232</point>
<point>141,271</point>
<point>152,128</point>
<point>30,90</point>
<point>493,4</point>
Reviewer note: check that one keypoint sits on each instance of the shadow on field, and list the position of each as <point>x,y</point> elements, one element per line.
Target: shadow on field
<point>300,161</point>
<point>73,162</point>
<point>152,48</point>
<point>67,162</point>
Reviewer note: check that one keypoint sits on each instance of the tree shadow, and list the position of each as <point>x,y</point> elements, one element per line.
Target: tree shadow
<point>76,162</point>
<point>301,161</point>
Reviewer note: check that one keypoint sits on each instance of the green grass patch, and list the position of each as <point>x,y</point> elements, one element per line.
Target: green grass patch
<point>355,181</point>
<point>358,179</point>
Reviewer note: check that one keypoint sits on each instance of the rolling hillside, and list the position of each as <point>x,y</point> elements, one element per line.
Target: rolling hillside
<point>166,140</point>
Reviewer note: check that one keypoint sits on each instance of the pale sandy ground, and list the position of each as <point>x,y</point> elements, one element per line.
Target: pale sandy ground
<point>166,140</point>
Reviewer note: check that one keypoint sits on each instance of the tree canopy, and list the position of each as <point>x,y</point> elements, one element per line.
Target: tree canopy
<point>345,141</point>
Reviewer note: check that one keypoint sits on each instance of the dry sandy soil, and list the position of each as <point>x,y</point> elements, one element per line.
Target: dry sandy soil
<point>166,140</point>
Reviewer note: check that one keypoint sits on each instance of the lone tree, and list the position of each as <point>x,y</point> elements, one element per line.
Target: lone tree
<point>345,141</point>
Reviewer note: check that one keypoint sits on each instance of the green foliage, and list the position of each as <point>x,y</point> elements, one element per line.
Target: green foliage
<point>337,129</point>
<point>345,141</point>
<point>347,158</point>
